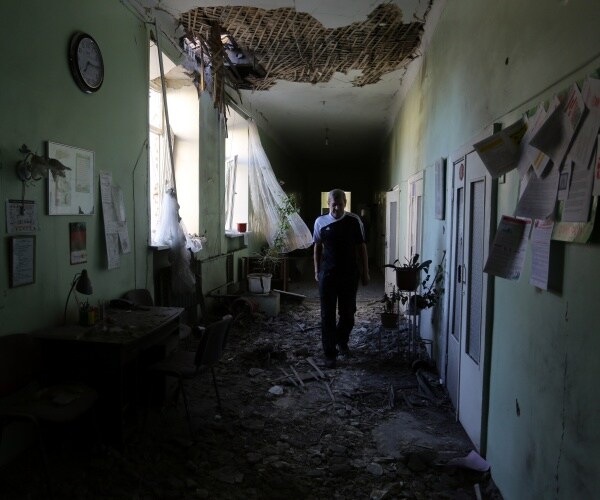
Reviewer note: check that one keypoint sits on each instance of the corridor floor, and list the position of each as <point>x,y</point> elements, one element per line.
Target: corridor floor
<point>367,429</point>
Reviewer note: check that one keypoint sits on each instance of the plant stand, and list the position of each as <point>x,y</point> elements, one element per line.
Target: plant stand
<point>413,316</point>
<point>390,322</point>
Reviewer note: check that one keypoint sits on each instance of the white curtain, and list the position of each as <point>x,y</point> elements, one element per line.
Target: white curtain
<point>267,198</point>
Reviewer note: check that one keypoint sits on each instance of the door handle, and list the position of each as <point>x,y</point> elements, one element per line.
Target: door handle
<point>461,272</point>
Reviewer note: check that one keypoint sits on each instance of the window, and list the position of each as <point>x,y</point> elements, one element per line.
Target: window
<point>160,178</point>
<point>183,111</point>
<point>236,172</point>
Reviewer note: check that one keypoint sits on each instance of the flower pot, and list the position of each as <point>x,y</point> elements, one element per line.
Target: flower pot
<point>407,278</point>
<point>389,320</point>
<point>259,283</point>
<point>241,227</point>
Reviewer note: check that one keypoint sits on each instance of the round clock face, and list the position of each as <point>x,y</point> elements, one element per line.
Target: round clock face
<point>86,62</point>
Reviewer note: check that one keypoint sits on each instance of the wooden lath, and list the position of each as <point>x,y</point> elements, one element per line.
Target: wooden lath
<point>294,46</point>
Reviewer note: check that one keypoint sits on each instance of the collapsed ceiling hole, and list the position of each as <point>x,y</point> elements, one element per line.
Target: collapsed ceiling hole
<point>262,46</point>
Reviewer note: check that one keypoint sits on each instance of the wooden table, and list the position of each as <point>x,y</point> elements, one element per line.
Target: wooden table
<point>111,356</point>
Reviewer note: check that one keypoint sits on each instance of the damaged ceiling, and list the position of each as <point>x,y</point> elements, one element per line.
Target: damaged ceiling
<point>322,78</point>
<point>264,46</point>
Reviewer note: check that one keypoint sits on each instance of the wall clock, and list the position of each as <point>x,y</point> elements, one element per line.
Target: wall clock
<point>85,61</point>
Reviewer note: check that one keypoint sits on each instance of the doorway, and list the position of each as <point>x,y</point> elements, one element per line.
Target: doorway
<point>391,236</point>
<point>467,363</point>
<point>415,215</point>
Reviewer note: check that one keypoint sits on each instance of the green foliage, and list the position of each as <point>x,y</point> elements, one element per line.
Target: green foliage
<point>431,286</point>
<point>412,263</point>
<point>391,300</point>
<point>270,256</point>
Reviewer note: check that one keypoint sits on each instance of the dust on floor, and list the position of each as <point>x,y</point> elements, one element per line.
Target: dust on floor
<point>377,426</point>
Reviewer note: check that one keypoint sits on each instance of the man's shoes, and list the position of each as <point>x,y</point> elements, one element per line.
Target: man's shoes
<point>345,351</point>
<point>330,363</point>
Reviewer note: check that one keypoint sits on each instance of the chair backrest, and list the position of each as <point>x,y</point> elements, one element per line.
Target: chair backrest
<point>20,362</point>
<point>213,341</point>
<point>139,296</point>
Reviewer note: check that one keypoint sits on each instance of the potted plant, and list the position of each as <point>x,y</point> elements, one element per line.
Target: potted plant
<point>271,256</point>
<point>431,290</point>
<point>408,275</point>
<point>390,313</point>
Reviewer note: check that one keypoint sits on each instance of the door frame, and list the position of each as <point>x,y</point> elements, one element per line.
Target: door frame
<point>389,274</point>
<point>487,317</point>
<point>415,195</point>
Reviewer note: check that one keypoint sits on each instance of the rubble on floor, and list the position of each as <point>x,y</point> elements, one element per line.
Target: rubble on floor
<point>379,426</point>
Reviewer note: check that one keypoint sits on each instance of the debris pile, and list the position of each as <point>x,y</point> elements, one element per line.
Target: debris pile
<point>378,426</point>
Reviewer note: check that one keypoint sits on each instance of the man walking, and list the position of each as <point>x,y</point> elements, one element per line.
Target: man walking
<point>339,244</point>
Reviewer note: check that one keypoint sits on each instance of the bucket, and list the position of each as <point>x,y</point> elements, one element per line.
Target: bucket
<point>259,283</point>
<point>241,227</point>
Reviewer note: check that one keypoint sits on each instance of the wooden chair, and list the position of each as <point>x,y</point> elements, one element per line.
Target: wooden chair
<point>184,365</point>
<point>24,398</point>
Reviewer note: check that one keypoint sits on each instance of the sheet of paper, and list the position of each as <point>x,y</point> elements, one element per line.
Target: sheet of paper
<point>564,181</point>
<point>531,156</point>
<point>585,139</point>
<point>539,196</point>
<point>555,135</point>
<point>121,219</point>
<point>596,166</point>
<point>577,204</point>
<point>110,221</point>
<point>500,152</point>
<point>576,232</point>
<point>124,237</point>
<point>541,234</point>
<point>21,216</point>
<point>507,253</point>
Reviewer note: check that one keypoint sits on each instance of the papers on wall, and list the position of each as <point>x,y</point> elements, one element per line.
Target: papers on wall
<point>564,182</point>
<point>530,156</point>
<point>541,234</point>
<point>583,144</point>
<point>115,223</point>
<point>575,232</point>
<point>596,168</point>
<point>72,194</point>
<point>577,204</point>
<point>539,196</point>
<point>507,253</point>
<point>501,151</point>
<point>555,135</point>
<point>21,216</point>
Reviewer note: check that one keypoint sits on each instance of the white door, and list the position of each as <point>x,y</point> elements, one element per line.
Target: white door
<point>391,236</point>
<point>467,363</point>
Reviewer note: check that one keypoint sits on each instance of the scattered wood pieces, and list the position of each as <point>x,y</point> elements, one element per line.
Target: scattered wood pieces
<point>314,365</point>
<point>288,376</point>
<point>297,376</point>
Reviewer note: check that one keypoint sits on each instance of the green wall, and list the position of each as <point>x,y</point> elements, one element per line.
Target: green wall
<point>40,102</point>
<point>490,62</point>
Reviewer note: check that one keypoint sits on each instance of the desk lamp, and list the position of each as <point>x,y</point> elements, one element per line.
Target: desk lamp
<point>82,284</point>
